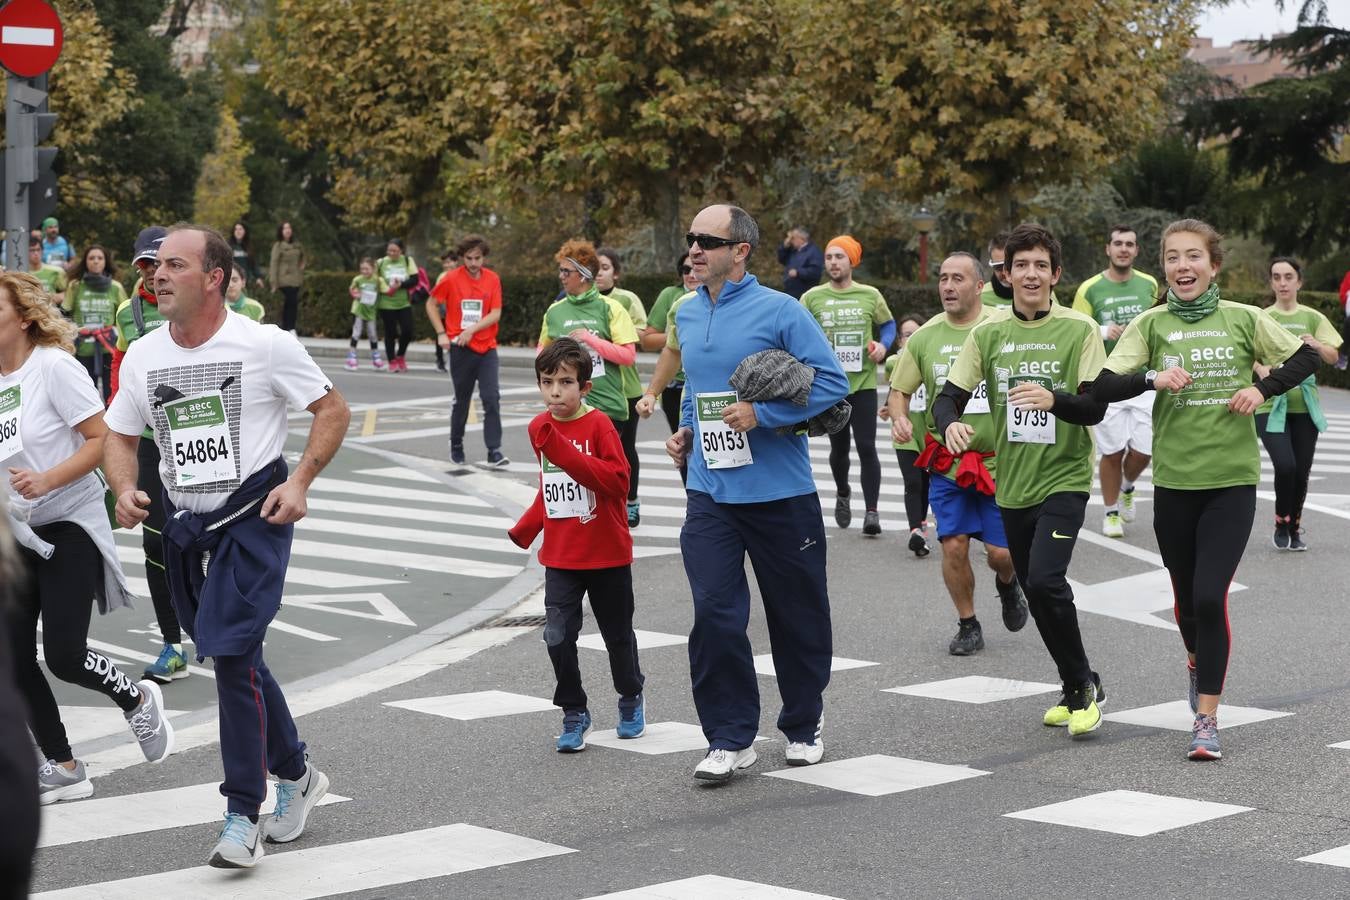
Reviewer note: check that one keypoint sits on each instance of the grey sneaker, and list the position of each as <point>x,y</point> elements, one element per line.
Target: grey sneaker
<point>148,723</point>
<point>56,782</point>
<point>239,846</point>
<point>294,801</point>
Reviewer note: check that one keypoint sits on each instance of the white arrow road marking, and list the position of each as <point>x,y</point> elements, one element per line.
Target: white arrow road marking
<point>385,610</point>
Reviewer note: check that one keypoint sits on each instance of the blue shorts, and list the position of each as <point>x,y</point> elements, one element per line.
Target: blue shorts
<point>965,511</point>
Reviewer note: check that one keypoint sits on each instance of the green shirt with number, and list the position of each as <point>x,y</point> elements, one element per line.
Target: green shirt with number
<point>1197,442</point>
<point>1115,302</point>
<point>606,318</point>
<point>93,308</point>
<point>848,318</point>
<point>366,311</point>
<point>1060,350</point>
<point>388,269</point>
<point>926,362</point>
<point>53,278</point>
<point>1298,322</point>
<point>918,419</point>
<point>632,383</point>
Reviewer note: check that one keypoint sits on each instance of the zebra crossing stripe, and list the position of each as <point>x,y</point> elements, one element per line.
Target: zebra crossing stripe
<point>377,556</point>
<point>107,817</point>
<point>368,530</point>
<point>335,869</point>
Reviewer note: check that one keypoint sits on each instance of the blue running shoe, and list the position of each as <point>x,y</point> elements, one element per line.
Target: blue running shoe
<point>576,725</point>
<point>1204,738</point>
<point>171,666</point>
<point>632,717</point>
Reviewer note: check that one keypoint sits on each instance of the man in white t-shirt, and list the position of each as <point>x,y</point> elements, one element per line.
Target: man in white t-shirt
<point>215,388</point>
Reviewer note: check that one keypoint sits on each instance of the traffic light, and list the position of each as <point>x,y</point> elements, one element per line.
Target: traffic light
<point>29,186</point>
<point>42,194</point>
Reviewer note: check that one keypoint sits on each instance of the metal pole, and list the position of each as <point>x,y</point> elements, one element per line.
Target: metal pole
<point>15,188</point>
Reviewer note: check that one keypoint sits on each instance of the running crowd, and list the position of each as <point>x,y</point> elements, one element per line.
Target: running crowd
<point>997,407</point>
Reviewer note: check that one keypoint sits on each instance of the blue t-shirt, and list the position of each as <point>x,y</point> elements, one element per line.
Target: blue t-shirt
<point>57,252</point>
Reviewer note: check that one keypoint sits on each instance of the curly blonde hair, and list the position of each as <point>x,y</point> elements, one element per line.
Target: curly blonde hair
<point>583,251</point>
<point>46,326</point>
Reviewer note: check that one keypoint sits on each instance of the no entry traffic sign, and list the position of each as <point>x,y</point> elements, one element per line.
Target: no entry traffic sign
<point>30,37</point>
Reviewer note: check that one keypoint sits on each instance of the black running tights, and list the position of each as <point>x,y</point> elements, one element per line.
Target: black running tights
<point>60,592</point>
<point>398,330</point>
<point>628,437</point>
<point>863,424</point>
<point>916,488</point>
<point>1201,536</point>
<point>1291,454</point>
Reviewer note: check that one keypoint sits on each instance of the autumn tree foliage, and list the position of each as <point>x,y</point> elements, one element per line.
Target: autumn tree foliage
<point>984,101</point>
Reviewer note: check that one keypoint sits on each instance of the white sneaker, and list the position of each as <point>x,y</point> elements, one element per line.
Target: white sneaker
<point>800,753</point>
<point>1112,526</point>
<point>1127,505</point>
<point>720,765</point>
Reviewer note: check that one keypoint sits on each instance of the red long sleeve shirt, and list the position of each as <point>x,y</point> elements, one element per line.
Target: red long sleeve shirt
<point>588,449</point>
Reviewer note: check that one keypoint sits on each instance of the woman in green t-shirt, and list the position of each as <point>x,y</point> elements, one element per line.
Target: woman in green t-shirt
<point>1199,350</point>
<point>607,283</point>
<point>1289,424</point>
<point>91,301</point>
<point>398,270</point>
<point>916,478</point>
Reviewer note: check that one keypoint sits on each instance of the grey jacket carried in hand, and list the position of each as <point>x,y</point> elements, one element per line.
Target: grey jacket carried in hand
<point>778,375</point>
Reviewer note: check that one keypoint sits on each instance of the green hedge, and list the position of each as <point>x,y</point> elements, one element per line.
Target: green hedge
<point>325,306</point>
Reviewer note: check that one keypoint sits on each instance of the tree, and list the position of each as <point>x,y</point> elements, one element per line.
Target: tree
<point>1287,136</point>
<point>631,103</point>
<point>984,101</point>
<point>134,163</point>
<point>222,193</point>
<point>383,96</point>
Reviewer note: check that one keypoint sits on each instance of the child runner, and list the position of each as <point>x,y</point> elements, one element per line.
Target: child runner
<point>366,290</point>
<point>1201,348</point>
<point>1289,424</point>
<point>1036,357</point>
<point>580,507</point>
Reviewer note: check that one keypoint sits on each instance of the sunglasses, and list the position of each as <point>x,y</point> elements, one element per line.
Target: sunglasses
<point>687,270</point>
<point>710,241</point>
<point>995,265</point>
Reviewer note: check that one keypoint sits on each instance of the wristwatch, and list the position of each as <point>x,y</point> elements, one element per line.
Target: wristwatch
<point>1149,376</point>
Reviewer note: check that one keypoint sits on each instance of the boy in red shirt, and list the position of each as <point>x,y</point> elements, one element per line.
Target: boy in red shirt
<point>472,297</point>
<point>582,509</point>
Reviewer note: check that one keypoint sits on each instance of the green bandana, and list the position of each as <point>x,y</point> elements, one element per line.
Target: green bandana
<point>1196,309</point>
<point>585,296</point>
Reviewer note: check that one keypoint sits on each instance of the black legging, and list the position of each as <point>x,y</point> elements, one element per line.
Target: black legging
<point>18,787</point>
<point>398,329</point>
<point>1345,332</point>
<point>290,307</point>
<point>862,422</point>
<point>147,479</point>
<point>628,437</point>
<point>916,488</point>
<point>671,397</point>
<point>1201,536</point>
<point>61,592</point>
<point>1291,454</point>
<point>1041,539</point>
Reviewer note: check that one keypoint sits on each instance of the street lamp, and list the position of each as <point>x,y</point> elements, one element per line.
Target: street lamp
<point>923,220</point>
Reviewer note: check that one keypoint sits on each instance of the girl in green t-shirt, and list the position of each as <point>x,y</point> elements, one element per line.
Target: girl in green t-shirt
<point>1196,351</point>
<point>397,269</point>
<point>1289,424</point>
<point>916,478</point>
<point>91,302</point>
<point>366,290</point>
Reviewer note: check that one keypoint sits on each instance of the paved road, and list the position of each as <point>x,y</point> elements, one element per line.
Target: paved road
<point>940,780</point>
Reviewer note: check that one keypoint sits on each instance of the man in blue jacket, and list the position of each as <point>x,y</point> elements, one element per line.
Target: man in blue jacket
<point>802,261</point>
<point>750,491</point>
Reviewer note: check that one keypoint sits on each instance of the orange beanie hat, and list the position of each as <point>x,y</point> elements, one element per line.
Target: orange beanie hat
<point>852,249</point>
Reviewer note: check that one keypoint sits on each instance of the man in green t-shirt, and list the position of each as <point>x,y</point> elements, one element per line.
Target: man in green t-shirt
<point>997,291</point>
<point>1125,437</point>
<point>53,278</point>
<point>847,312</point>
<point>1036,357</point>
<point>961,489</point>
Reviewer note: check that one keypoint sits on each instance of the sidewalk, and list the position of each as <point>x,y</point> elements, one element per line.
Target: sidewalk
<point>425,352</point>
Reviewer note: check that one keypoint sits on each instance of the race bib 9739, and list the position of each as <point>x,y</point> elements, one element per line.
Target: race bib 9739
<point>1030,426</point>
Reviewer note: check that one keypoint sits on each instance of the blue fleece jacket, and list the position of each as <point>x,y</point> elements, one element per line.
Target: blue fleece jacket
<point>713,338</point>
